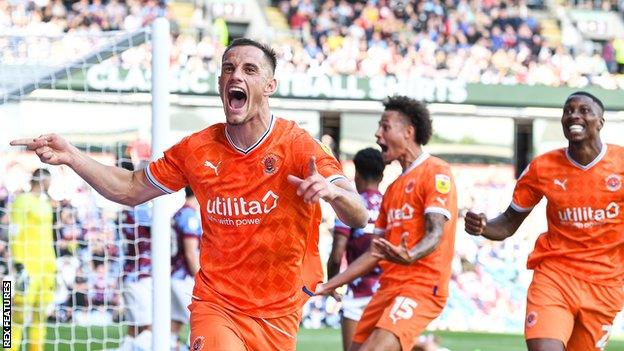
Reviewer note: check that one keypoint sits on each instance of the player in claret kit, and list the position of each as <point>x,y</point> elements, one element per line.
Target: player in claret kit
<point>417,220</point>
<point>186,225</point>
<point>353,242</point>
<point>578,262</point>
<point>258,179</point>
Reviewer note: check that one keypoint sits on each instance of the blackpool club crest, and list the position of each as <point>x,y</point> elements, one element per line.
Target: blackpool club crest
<point>613,182</point>
<point>270,164</point>
<point>198,343</point>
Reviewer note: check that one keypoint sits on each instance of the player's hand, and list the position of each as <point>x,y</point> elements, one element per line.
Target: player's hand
<point>475,223</point>
<point>315,186</point>
<point>321,290</point>
<point>51,148</point>
<point>385,250</point>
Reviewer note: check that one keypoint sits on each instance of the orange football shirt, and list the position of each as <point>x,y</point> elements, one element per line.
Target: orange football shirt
<point>427,186</point>
<point>585,236</point>
<point>256,229</point>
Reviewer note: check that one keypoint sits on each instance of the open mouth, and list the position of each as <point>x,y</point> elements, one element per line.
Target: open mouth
<point>237,97</point>
<point>576,128</point>
<point>383,147</point>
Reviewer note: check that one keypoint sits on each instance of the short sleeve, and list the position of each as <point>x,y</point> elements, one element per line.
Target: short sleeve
<point>167,173</point>
<point>438,191</point>
<point>304,147</point>
<point>527,193</point>
<point>341,228</point>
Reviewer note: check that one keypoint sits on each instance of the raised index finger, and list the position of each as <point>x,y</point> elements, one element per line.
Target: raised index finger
<point>22,142</point>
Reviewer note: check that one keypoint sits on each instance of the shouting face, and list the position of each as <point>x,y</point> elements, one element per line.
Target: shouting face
<point>245,84</point>
<point>393,135</point>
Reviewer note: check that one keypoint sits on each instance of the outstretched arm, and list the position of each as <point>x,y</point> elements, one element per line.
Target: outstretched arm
<point>114,183</point>
<point>499,228</point>
<point>402,254</point>
<point>345,201</point>
<point>358,268</point>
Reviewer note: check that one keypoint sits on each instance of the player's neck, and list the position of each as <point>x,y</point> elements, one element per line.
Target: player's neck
<point>247,134</point>
<point>368,186</point>
<point>585,152</point>
<point>412,152</point>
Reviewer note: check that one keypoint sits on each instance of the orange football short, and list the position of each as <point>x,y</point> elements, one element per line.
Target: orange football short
<point>404,314</point>
<point>214,328</point>
<point>563,307</point>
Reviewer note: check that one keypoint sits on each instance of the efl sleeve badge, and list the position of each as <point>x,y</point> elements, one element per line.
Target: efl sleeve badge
<point>442,183</point>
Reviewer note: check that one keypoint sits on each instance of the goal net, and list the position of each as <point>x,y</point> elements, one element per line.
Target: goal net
<point>68,274</point>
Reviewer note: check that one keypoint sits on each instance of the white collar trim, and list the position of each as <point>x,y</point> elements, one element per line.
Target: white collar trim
<point>417,162</point>
<point>255,145</point>
<point>603,151</point>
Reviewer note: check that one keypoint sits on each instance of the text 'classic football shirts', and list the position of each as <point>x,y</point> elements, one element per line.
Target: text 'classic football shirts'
<point>427,186</point>
<point>585,234</point>
<point>256,229</point>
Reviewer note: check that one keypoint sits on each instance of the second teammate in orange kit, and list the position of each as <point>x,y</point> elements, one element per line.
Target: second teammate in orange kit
<point>579,262</point>
<point>417,220</point>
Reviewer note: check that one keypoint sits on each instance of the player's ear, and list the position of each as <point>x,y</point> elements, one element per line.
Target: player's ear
<point>410,132</point>
<point>270,87</point>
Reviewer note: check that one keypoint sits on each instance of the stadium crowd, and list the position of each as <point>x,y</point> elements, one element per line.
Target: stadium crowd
<point>491,42</point>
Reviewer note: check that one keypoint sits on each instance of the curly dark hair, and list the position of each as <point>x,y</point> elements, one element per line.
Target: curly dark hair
<point>416,112</point>
<point>369,164</point>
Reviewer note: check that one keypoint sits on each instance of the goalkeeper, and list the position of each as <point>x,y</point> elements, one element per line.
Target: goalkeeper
<point>32,251</point>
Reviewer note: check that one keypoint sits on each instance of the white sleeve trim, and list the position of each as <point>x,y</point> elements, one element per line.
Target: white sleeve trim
<point>443,211</point>
<point>155,183</point>
<point>520,208</point>
<point>335,177</point>
<point>379,231</point>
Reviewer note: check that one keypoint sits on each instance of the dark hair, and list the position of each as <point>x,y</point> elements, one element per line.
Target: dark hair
<point>268,52</point>
<point>589,95</point>
<point>188,192</point>
<point>40,174</point>
<point>369,164</point>
<point>416,112</point>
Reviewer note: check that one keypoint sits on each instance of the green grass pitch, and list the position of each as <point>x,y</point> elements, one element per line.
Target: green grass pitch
<point>71,338</point>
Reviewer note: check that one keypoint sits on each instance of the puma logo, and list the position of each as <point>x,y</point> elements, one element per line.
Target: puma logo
<point>560,183</point>
<point>213,167</point>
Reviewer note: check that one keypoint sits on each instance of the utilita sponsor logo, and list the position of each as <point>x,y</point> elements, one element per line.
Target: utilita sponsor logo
<point>579,215</point>
<point>228,207</point>
<point>399,214</point>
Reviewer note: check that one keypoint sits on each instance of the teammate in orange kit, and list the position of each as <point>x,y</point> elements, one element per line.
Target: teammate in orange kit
<point>258,179</point>
<point>579,262</point>
<point>417,219</point>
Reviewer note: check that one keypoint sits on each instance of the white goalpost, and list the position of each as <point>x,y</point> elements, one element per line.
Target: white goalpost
<point>97,252</point>
<point>161,268</point>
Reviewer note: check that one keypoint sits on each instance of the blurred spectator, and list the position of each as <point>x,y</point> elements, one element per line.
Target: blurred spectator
<point>618,45</point>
